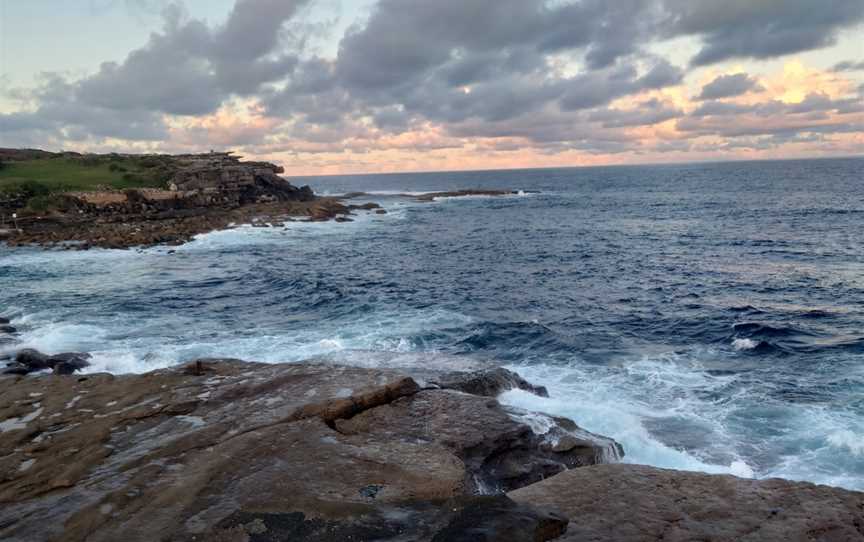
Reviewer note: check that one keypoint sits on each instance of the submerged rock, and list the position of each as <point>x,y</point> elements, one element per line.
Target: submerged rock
<point>630,503</point>
<point>224,448</point>
<point>431,196</point>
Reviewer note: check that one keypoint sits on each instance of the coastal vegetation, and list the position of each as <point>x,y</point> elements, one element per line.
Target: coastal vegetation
<point>36,180</point>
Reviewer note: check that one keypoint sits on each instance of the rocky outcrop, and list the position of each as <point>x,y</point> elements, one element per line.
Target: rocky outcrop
<point>7,334</point>
<point>166,227</point>
<point>31,361</point>
<point>486,382</point>
<point>203,192</point>
<point>228,450</point>
<point>462,193</point>
<point>632,503</point>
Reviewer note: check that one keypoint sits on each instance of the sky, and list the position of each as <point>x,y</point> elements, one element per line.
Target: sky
<point>362,86</point>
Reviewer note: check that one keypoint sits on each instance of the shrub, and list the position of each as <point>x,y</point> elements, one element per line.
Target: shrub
<point>150,162</point>
<point>41,204</point>
<point>25,189</point>
<point>116,167</point>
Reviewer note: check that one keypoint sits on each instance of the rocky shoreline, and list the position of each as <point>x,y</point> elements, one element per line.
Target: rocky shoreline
<point>226,450</point>
<point>202,193</point>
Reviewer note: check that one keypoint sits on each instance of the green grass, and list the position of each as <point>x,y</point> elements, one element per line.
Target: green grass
<point>65,174</point>
<point>37,180</point>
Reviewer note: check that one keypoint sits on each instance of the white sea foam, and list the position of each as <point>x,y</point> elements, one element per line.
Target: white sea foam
<point>744,344</point>
<point>115,353</point>
<point>517,194</point>
<point>621,420</point>
<point>848,440</point>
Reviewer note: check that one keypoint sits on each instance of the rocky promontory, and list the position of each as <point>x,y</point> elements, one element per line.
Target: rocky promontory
<point>225,450</point>
<point>194,194</point>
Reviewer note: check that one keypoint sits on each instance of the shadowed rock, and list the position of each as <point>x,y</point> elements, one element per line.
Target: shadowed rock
<point>31,361</point>
<point>630,503</point>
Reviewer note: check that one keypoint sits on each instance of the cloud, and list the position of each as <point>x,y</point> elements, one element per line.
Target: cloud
<point>727,86</point>
<point>191,69</point>
<point>59,116</point>
<point>646,113</point>
<point>187,69</point>
<point>848,66</point>
<point>404,40</point>
<point>816,113</point>
<point>759,29</point>
<point>548,77</point>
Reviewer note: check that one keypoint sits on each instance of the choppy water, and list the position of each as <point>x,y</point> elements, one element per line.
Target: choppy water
<point>709,317</point>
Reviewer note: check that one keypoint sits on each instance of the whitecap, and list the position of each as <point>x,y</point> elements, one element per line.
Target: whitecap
<point>744,344</point>
<point>847,440</point>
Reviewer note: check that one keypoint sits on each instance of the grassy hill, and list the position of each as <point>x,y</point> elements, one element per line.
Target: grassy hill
<point>36,179</point>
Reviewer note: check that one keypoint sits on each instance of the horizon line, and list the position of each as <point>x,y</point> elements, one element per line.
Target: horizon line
<point>591,166</point>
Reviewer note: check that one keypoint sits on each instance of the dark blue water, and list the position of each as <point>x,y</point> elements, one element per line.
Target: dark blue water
<point>709,317</point>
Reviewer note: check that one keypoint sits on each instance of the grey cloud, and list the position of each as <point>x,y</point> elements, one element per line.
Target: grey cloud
<point>191,69</point>
<point>647,113</point>
<point>663,74</point>
<point>60,117</point>
<point>405,40</point>
<point>759,29</point>
<point>811,115</point>
<point>848,66</point>
<point>727,86</point>
<point>812,103</point>
<point>597,88</point>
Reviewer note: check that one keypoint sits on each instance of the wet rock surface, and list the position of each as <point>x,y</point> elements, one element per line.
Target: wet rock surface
<point>28,361</point>
<point>229,450</point>
<point>630,503</point>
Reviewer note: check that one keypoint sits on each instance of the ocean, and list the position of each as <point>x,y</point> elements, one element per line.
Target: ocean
<point>709,317</point>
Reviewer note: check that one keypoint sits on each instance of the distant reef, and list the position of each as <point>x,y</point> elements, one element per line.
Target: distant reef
<point>225,450</point>
<point>123,200</point>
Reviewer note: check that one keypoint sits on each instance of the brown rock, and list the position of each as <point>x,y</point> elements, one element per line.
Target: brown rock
<point>627,503</point>
<point>228,450</point>
<point>499,450</point>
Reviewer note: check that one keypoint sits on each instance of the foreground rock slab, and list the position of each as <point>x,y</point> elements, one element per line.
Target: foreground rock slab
<point>637,503</point>
<point>229,450</point>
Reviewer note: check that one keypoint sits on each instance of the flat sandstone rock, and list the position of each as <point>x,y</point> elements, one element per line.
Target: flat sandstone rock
<point>229,450</point>
<point>634,503</point>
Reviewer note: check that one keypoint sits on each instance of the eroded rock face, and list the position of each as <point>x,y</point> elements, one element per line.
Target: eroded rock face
<point>229,450</point>
<point>636,503</point>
